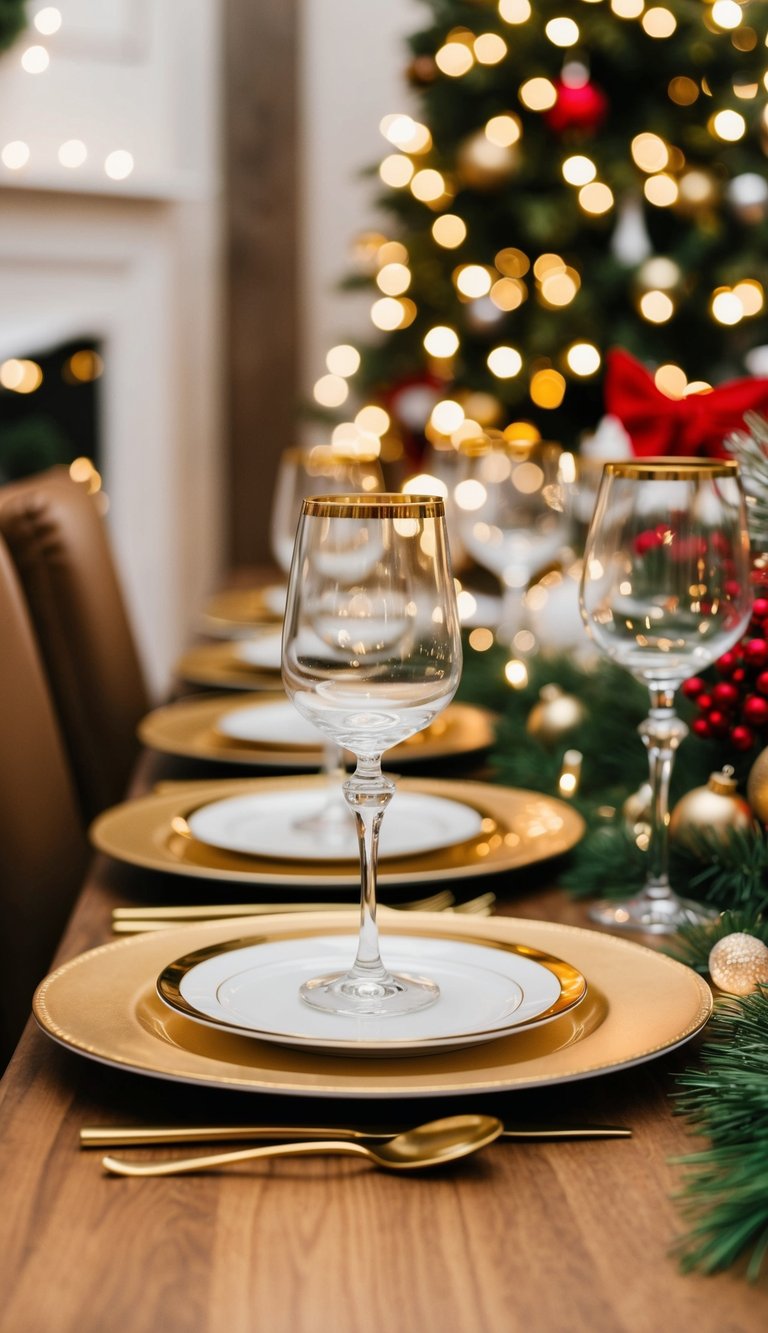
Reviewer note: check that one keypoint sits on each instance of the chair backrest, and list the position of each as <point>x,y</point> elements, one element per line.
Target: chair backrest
<point>59,545</point>
<point>42,843</point>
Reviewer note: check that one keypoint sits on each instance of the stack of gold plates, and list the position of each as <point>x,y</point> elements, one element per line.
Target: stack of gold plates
<point>266,730</point>
<point>176,1004</point>
<point>253,831</point>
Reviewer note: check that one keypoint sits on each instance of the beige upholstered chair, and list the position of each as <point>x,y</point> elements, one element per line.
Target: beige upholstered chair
<point>42,844</point>
<point>58,542</point>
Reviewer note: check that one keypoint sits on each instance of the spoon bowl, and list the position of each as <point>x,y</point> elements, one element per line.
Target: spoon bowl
<point>433,1144</point>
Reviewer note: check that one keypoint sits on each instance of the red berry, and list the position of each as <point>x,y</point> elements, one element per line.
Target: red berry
<point>645,541</point>
<point>704,702</point>
<point>726,664</point>
<point>755,710</point>
<point>760,608</point>
<point>718,722</point>
<point>700,728</point>
<point>725,694</point>
<point>756,652</point>
<point>739,675</point>
<point>762,682</point>
<point>693,687</point>
<point>733,588</point>
<point>742,738</point>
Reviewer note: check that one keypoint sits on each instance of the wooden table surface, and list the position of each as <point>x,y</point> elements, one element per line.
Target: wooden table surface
<point>542,1237</point>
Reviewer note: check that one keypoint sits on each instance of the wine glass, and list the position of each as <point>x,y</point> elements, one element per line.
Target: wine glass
<point>665,591</point>
<point>512,515</point>
<point>315,470</point>
<point>371,653</point>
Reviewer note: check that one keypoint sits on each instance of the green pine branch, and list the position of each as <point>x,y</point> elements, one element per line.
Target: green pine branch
<point>724,1196</point>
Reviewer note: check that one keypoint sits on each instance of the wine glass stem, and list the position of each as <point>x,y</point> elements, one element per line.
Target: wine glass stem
<point>661,732</point>
<point>368,794</point>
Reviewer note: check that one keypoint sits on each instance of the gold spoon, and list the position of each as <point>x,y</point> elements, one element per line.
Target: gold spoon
<point>433,1144</point>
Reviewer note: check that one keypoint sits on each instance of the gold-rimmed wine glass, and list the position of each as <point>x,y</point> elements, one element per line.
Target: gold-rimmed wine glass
<point>371,654</point>
<point>665,591</point>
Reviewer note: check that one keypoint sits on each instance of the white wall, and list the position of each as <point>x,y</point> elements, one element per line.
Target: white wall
<point>352,73</point>
<point>135,261</point>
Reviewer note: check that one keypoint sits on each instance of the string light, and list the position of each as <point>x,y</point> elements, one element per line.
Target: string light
<point>47,20</point>
<point>657,307</point>
<point>671,380</point>
<point>428,186</point>
<point>72,153</point>
<point>15,155</point>
<point>547,388</point>
<point>726,307</point>
<point>504,362</point>
<point>447,416</point>
<point>579,170</point>
<point>596,198</point>
<point>472,280</point>
<point>396,171</point>
<point>503,131</point>
<point>661,190</point>
<point>35,60</point>
<point>583,358</point>
<point>727,14</point>
<point>331,391</point>
<point>20,376</point>
<point>538,94</point>
<point>394,279</point>
<point>515,11</point>
<point>649,152</point>
<point>627,9</point>
<point>728,125</point>
<point>441,341</point>
<point>659,22</point>
<point>508,293</point>
<point>373,418</point>
<point>489,48</point>
<point>449,230</point>
<point>454,59</point>
<point>751,295</point>
<point>118,164</point>
<point>562,32</point>
<point>343,360</point>
<point>513,263</point>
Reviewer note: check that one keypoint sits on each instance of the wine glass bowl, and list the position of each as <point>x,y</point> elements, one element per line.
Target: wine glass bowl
<point>315,470</point>
<point>371,654</point>
<point>665,591</point>
<point>512,514</point>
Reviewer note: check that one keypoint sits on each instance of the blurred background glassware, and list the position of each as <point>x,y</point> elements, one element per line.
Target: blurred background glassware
<point>371,654</point>
<point>320,469</point>
<point>513,517</point>
<point>665,592</point>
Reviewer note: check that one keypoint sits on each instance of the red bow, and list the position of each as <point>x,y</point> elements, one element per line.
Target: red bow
<point>658,425</point>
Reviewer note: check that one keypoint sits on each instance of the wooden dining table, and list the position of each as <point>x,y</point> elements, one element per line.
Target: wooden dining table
<point>538,1236</point>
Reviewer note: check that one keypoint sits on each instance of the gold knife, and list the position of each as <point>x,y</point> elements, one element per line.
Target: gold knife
<point>118,1136</point>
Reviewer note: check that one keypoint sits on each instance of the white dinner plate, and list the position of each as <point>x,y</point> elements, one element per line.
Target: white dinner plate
<point>274,596</point>
<point>252,988</point>
<point>264,651</point>
<point>269,724</point>
<point>271,824</point>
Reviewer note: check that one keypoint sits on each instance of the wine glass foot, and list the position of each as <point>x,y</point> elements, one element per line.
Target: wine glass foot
<point>383,994</point>
<point>655,916</point>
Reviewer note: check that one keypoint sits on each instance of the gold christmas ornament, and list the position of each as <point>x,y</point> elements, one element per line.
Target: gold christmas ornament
<point>636,814</point>
<point>554,716</point>
<point>757,787</point>
<point>738,963</point>
<point>716,810</point>
<point>483,165</point>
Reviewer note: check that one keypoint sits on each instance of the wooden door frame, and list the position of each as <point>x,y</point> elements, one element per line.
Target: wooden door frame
<point>262,370</point>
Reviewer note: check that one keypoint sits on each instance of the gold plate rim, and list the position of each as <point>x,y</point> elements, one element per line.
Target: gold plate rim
<point>573,986</point>
<point>239,608</point>
<point>142,833</point>
<point>187,728</point>
<point>650,1005</point>
<point>215,665</point>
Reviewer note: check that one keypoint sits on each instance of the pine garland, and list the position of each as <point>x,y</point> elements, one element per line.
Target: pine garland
<point>730,874</point>
<point>725,1189</point>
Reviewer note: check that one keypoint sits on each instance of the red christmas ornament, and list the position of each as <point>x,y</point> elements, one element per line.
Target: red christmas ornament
<point>580,108</point>
<point>742,738</point>
<point>762,682</point>
<point>756,652</point>
<point>755,711</point>
<point>693,688</point>
<point>725,694</point>
<point>760,608</point>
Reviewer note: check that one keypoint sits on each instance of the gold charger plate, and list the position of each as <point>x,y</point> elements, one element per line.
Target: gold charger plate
<point>189,728</point>
<point>640,1004</point>
<point>238,609</point>
<point>217,665</point>
<point>519,827</point>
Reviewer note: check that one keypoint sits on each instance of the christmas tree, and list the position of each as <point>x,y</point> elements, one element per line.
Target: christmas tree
<point>577,176</point>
